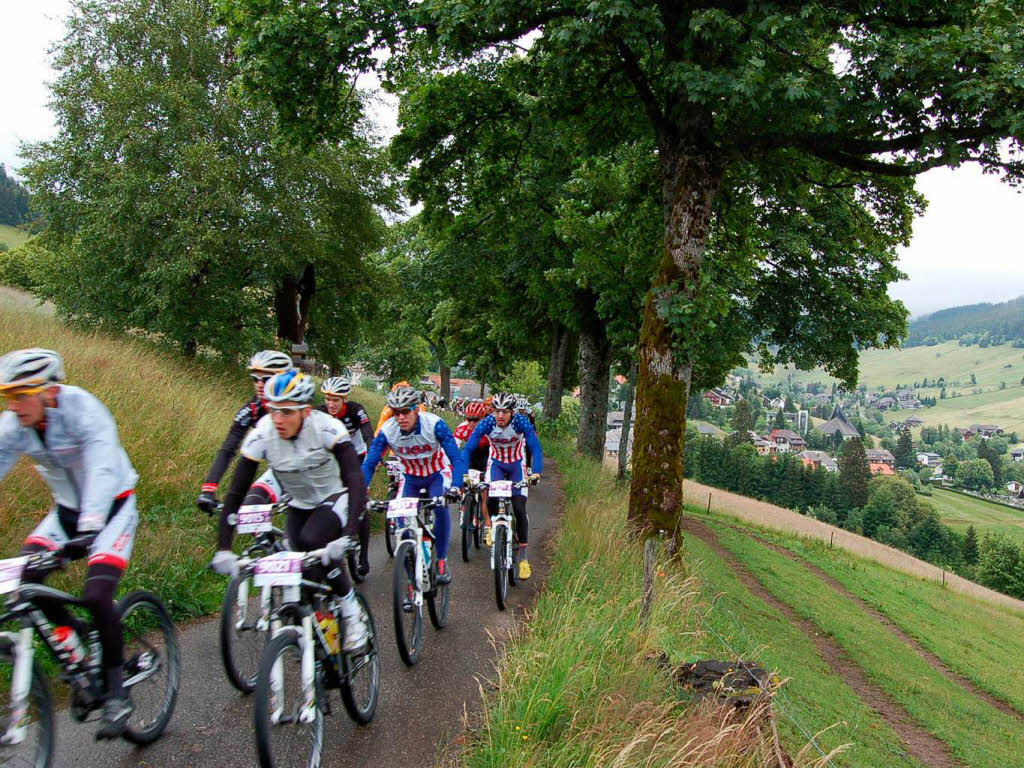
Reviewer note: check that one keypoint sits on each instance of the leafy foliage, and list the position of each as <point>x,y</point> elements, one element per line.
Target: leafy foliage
<point>982,324</point>
<point>14,200</point>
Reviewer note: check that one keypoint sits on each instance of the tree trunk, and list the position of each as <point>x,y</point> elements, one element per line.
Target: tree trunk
<point>556,371</point>
<point>690,181</point>
<point>627,417</point>
<point>595,368</point>
<point>292,301</point>
<point>446,382</point>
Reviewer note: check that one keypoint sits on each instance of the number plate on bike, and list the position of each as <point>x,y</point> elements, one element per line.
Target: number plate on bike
<point>255,518</point>
<point>501,489</point>
<point>402,507</point>
<point>279,570</point>
<point>474,475</point>
<point>394,468</point>
<point>10,574</point>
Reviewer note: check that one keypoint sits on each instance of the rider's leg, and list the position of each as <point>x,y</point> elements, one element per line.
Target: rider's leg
<point>364,535</point>
<point>522,523</point>
<point>442,517</point>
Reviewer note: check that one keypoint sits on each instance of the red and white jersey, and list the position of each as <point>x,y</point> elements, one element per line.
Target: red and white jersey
<point>507,443</point>
<point>420,451</point>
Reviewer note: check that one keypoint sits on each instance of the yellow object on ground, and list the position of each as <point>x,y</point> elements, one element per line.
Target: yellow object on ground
<point>524,570</point>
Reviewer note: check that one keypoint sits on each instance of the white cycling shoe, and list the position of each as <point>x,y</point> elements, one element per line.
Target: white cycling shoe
<point>357,634</point>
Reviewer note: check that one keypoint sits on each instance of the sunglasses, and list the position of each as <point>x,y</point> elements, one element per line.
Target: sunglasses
<point>262,377</point>
<point>403,411</point>
<point>472,421</point>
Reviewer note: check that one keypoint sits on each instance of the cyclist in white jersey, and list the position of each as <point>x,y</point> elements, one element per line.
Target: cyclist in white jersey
<point>312,457</point>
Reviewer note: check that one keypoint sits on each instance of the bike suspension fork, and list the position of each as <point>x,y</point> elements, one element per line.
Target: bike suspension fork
<point>21,684</point>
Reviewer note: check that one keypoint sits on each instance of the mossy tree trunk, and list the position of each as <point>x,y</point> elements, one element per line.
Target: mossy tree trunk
<point>690,180</point>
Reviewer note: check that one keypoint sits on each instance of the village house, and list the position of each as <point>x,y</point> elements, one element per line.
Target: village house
<point>912,422</point>
<point>708,430</point>
<point>1017,489</point>
<point>880,456</point>
<point>839,423</point>
<point>986,430</point>
<point>929,459</point>
<point>816,459</point>
<point>773,403</point>
<point>885,403</point>
<point>762,446</point>
<point>719,398</point>
<point>787,441</point>
<point>1017,454</point>
<point>880,468</point>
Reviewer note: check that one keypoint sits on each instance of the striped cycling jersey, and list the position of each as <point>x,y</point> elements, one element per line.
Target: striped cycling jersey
<point>507,443</point>
<point>420,451</point>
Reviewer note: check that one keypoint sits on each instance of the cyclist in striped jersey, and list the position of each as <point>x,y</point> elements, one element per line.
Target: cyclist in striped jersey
<point>421,441</point>
<point>510,434</point>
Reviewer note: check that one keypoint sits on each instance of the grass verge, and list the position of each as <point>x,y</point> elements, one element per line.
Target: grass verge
<point>577,686</point>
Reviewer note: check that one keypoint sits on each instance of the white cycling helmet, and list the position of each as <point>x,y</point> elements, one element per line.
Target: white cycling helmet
<point>289,387</point>
<point>403,397</point>
<point>337,385</point>
<point>271,361</point>
<point>31,370</point>
<point>522,404</point>
<point>503,401</point>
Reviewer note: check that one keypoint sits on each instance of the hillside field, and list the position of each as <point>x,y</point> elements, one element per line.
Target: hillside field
<point>11,236</point>
<point>959,511</point>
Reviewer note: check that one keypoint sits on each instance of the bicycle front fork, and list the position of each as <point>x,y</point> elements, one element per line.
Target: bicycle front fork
<point>21,683</point>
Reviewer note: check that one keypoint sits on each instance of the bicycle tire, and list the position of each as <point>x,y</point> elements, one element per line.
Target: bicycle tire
<point>241,676</point>
<point>41,699</point>
<point>409,641</point>
<point>478,523</point>
<point>285,642</point>
<point>439,602</point>
<point>362,713</point>
<point>389,537</point>
<point>135,732</point>
<point>466,518</point>
<point>500,567</point>
<point>353,567</point>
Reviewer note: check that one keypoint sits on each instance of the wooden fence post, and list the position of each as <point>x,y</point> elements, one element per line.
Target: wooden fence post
<point>650,561</point>
<point>709,503</point>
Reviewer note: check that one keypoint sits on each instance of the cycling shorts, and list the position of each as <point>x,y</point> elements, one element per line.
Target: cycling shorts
<point>112,545</point>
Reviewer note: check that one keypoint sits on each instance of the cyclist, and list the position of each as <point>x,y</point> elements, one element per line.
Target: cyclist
<point>474,412</point>
<point>523,408</point>
<point>353,415</point>
<point>312,456</point>
<point>72,439</point>
<point>421,441</point>
<point>262,366</point>
<point>509,433</point>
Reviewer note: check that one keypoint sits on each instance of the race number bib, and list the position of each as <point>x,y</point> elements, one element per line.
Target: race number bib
<point>501,489</point>
<point>10,573</point>
<point>474,475</point>
<point>255,518</point>
<point>394,468</point>
<point>283,569</point>
<point>402,507</point>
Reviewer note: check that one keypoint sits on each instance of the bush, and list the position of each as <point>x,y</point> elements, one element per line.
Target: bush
<point>568,422</point>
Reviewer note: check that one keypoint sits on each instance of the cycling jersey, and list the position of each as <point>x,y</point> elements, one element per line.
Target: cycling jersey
<point>422,450</point>
<point>77,452</point>
<point>353,416</point>
<point>304,465</point>
<point>245,419</point>
<point>507,443</point>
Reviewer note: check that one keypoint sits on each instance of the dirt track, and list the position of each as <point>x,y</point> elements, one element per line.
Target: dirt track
<point>780,519</point>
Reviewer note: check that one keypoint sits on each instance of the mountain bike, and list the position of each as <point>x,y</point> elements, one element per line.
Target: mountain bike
<point>151,666</point>
<point>244,616</point>
<point>505,546</point>
<point>415,577</point>
<point>472,521</point>
<point>305,660</point>
<point>395,472</point>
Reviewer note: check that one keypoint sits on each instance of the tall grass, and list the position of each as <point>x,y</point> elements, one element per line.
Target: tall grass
<point>172,415</point>
<point>579,685</point>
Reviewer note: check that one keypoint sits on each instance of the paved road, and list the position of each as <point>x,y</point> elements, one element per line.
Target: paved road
<point>421,708</point>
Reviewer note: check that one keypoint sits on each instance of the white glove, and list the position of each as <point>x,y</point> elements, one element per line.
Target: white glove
<point>335,551</point>
<point>224,562</point>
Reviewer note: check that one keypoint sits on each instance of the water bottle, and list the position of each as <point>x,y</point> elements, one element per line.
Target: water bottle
<point>67,641</point>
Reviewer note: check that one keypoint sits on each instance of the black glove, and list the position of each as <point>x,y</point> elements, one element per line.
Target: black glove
<point>78,547</point>
<point>207,502</point>
<point>453,493</point>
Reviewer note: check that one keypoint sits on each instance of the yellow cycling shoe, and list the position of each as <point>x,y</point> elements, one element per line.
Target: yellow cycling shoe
<point>524,570</point>
<point>488,537</point>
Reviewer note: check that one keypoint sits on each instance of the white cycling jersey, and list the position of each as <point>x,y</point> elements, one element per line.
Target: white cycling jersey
<point>304,465</point>
<point>82,459</point>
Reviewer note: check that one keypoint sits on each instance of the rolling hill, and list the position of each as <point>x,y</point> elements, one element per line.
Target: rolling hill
<point>12,237</point>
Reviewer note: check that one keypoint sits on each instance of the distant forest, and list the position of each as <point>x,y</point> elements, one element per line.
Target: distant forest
<point>13,200</point>
<point>981,324</point>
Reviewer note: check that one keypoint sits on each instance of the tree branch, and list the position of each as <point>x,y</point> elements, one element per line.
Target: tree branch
<point>643,89</point>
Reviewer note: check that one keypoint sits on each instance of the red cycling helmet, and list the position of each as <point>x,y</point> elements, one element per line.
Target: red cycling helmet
<point>476,410</point>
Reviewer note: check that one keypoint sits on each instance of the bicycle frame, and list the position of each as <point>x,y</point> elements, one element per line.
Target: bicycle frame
<point>503,518</point>
<point>422,521</point>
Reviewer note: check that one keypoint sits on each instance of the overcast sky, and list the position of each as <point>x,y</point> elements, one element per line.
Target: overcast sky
<point>966,248</point>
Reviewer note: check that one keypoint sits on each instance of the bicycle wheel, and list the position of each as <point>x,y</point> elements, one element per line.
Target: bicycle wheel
<point>513,562</point>
<point>360,675</point>
<point>438,601</point>
<point>478,523</point>
<point>466,517</point>
<point>152,667</point>
<point>283,740</point>
<point>408,615</point>
<point>500,566</point>
<point>353,567</point>
<point>32,745</point>
<point>241,642</point>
